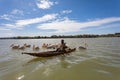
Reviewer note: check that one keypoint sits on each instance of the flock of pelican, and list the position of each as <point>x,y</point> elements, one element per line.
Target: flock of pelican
<point>35,48</point>
<point>13,46</point>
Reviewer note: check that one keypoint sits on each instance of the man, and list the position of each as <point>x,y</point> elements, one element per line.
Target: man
<point>62,47</point>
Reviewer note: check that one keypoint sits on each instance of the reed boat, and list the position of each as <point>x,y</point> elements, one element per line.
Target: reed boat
<point>49,53</point>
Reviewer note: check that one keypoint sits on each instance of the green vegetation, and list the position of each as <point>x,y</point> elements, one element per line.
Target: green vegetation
<point>64,36</point>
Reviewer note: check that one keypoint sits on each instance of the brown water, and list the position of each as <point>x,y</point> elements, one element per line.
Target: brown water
<point>101,61</point>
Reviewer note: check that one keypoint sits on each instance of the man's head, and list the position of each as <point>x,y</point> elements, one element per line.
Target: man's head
<point>62,41</point>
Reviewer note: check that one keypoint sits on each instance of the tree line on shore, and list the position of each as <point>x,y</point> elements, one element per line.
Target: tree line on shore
<point>65,36</point>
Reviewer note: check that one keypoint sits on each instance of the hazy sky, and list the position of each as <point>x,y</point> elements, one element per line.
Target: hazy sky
<point>60,17</point>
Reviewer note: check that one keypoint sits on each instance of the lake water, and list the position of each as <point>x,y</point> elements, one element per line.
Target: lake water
<point>100,61</point>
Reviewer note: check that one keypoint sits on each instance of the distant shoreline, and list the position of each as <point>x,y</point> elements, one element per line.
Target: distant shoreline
<point>64,36</point>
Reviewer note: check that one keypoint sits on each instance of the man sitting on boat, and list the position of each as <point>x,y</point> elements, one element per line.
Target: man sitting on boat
<point>62,47</point>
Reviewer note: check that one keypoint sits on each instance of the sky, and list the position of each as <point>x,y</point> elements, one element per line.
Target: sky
<point>58,17</point>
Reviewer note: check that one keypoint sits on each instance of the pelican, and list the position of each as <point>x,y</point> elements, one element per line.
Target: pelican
<point>35,48</point>
<point>44,45</point>
<point>83,47</point>
<point>22,48</point>
<point>27,45</point>
<point>14,46</point>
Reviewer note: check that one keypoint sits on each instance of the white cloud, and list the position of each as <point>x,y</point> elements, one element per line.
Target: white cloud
<point>11,15</point>
<point>45,4</point>
<point>22,23</point>
<point>11,26</point>
<point>110,26</point>
<point>7,33</point>
<point>36,20</point>
<point>4,29</point>
<point>66,11</point>
<point>17,11</point>
<point>61,26</point>
<point>68,25</point>
<point>5,17</point>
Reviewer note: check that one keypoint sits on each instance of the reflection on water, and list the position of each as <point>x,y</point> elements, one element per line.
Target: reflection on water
<point>64,63</point>
<point>39,59</point>
<point>101,60</point>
